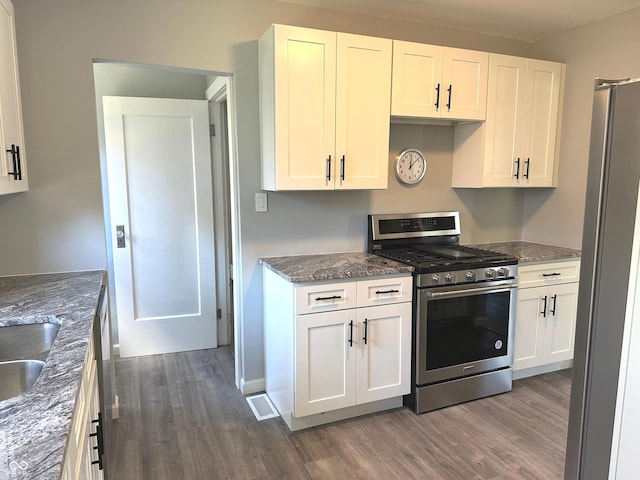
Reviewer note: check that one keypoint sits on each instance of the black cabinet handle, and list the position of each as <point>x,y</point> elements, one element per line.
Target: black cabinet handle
<point>100,446</point>
<point>544,307</point>
<point>555,274</point>
<point>365,331</point>
<point>342,168</point>
<point>449,104</point>
<point>517,175</point>
<point>17,164</point>
<point>552,310</point>
<point>438,97</point>
<point>526,172</point>
<point>351,333</point>
<point>382,292</point>
<point>321,299</point>
<point>329,168</point>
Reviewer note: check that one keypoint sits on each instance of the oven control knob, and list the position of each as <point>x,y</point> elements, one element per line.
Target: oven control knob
<point>450,278</point>
<point>437,279</point>
<point>491,274</point>
<point>503,272</point>
<point>470,276</point>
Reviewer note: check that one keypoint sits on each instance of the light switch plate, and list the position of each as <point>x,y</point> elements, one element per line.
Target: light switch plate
<point>261,202</point>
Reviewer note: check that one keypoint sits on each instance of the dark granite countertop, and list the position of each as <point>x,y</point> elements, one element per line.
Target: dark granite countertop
<point>529,252</point>
<point>34,425</point>
<point>333,266</point>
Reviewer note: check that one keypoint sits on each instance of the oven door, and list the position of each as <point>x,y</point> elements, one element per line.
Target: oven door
<point>464,330</point>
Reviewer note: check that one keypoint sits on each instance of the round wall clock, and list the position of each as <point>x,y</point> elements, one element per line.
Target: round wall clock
<point>410,166</point>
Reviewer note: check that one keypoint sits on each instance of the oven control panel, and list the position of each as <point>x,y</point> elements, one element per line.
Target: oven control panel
<point>457,277</point>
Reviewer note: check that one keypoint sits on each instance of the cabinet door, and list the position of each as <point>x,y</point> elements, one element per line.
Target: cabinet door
<point>363,97</point>
<point>464,84</point>
<point>384,353</point>
<point>297,95</point>
<point>503,128</point>
<point>528,335</point>
<point>10,108</point>
<point>560,322</point>
<point>325,361</point>
<point>540,122</point>
<point>417,78</point>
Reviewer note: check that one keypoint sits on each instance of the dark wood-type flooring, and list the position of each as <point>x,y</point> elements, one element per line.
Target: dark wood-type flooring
<point>181,417</point>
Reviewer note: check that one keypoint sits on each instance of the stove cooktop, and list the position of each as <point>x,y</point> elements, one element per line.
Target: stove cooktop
<point>432,258</point>
<point>428,242</point>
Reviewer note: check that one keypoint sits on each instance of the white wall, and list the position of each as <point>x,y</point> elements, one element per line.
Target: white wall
<point>606,49</point>
<point>58,225</point>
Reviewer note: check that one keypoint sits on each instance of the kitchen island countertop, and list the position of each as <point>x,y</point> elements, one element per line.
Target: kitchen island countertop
<point>34,425</point>
<point>530,252</point>
<point>333,266</point>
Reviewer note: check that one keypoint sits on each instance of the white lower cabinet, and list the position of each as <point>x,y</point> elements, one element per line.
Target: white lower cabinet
<point>350,357</point>
<point>80,461</point>
<point>325,364</point>
<point>545,317</point>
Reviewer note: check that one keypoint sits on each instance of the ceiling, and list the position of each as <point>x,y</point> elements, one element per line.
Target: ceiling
<point>529,20</point>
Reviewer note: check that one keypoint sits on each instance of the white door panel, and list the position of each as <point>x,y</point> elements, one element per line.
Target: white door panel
<point>159,169</point>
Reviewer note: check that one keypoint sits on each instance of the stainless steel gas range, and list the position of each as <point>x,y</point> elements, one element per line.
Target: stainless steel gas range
<point>463,308</point>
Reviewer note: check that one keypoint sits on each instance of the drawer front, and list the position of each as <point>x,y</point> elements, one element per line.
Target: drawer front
<point>325,297</point>
<point>548,273</point>
<point>382,291</point>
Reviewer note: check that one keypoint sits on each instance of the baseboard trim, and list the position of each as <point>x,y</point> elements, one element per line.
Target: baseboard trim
<point>249,387</point>
<point>542,369</point>
<point>301,423</point>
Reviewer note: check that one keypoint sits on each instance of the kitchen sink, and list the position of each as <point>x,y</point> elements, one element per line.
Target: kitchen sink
<point>32,341</point>
<point>18,376</point>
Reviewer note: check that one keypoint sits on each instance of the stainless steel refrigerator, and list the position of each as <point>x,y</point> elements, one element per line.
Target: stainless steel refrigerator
<point>609,272</point>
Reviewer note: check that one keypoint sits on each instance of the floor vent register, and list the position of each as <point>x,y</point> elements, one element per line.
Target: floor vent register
<point>262,407</point>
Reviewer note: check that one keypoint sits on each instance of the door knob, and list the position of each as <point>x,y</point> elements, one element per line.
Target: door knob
<point>120,235</point>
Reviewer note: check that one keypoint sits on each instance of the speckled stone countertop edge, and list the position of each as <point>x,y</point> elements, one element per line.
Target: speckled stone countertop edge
<point>34,425</point>
<point>531,252</point>
<point>333,266</point>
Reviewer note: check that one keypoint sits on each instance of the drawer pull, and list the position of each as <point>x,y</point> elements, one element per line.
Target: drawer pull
<point>556,274</point>
<point>322,299</point>
<point>383,292</point>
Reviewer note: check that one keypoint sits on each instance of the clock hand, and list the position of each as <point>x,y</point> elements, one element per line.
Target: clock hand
<point>411,163</point>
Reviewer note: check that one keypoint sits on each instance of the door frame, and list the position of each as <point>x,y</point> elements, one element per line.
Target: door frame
<point>223,88</point>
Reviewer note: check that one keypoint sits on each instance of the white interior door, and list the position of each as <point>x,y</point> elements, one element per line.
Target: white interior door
<point>159,177</point>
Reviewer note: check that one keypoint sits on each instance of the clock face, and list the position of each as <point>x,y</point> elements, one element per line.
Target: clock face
<point>410,166</point>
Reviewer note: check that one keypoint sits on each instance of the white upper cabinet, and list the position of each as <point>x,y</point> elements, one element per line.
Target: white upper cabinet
<point>438,82</point>
<point>540,123</point>
<point>516,146</point>
<point>324,109</point>
<point>13,169</point>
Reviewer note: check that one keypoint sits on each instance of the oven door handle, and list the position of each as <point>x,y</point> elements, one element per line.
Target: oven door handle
<point>504,287</point>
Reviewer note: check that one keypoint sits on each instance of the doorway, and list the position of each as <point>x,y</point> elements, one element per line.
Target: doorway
<point>161,204</point>
<point>112,78</point>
